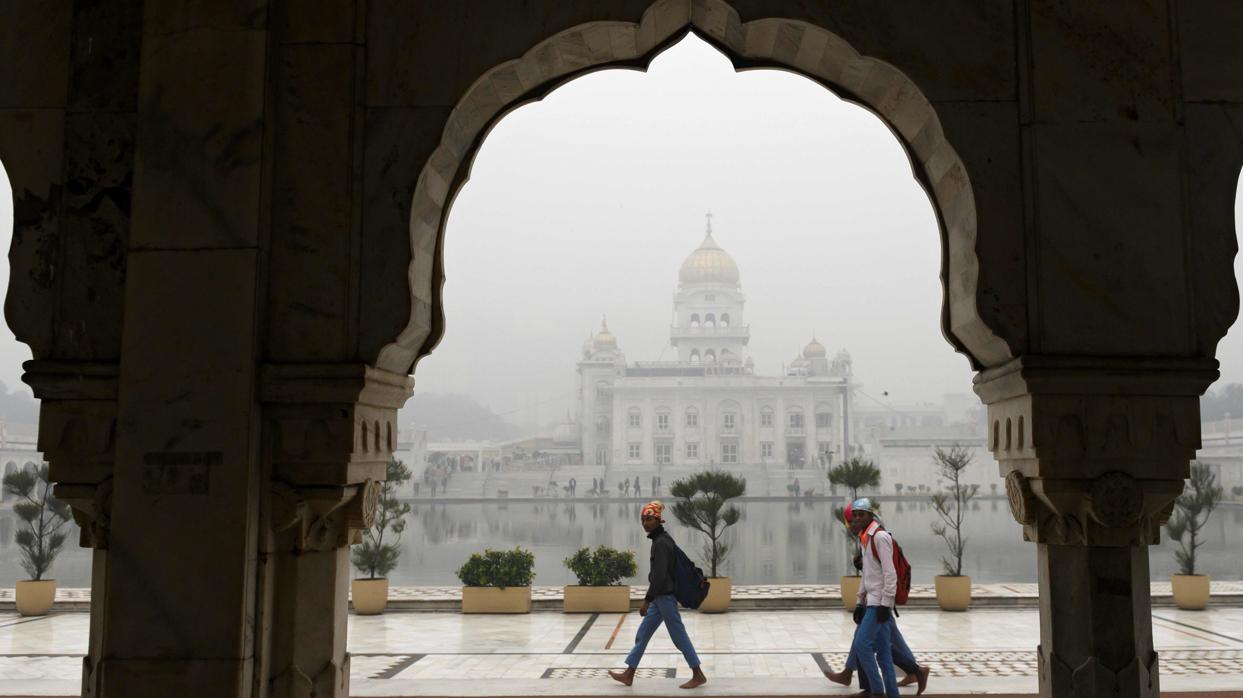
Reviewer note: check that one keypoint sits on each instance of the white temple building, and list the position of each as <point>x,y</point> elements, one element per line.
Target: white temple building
<point>709,406</point>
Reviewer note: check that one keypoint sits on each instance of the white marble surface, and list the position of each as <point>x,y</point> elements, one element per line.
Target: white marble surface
<point>744,653</point>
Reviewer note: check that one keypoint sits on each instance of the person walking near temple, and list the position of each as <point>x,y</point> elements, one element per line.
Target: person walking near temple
<point>638,487</point>
<point>873,648</point>
<point>903,657</point>
<point>659,605</point>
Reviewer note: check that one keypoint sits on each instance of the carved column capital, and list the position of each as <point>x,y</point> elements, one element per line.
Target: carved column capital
<point>77,437</point>
<point>322,518</point>
<point>334,428</point>
<point>1094,451</point>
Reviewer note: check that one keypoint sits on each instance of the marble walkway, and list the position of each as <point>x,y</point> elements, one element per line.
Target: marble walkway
<point>752,653</point>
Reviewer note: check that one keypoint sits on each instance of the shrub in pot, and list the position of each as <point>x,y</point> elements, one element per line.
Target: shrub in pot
<point>702,506</point>
<point>953,587</point>
<point>40,536</point>
<point>497,581</point>
<point>377,555</point>
<point>1191,511</point>
<point>599,573</point>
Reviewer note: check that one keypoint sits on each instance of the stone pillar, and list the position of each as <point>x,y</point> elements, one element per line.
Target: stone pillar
<point>1094,452</point>
<point>330,430</point>
<point>77,433</point>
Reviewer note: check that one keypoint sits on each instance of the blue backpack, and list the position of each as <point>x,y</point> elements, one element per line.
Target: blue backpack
<point>690,586</point>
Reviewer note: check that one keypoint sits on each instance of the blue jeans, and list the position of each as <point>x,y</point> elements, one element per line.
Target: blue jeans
<point>903,657</point>
<point>663,609</point>
<point>873,645</point>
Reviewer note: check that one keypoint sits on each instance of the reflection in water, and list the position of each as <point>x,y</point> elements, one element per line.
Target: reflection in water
<point>776,541</point>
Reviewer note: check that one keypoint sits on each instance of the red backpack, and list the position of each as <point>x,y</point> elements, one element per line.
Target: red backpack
<point>901,566</point>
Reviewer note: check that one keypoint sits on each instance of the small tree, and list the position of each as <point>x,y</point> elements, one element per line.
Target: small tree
<point>604,567</point>
<point>1192,509</point>
<point>43,518</point>
<point>951,505</point>
<point>855,473</point>
<point>375,557</point>
<point>701,506</point>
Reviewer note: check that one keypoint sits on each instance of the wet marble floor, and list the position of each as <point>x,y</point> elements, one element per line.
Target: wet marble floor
<point>990,650</point>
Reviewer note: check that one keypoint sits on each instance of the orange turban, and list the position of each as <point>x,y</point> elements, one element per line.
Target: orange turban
<point>653,508</point>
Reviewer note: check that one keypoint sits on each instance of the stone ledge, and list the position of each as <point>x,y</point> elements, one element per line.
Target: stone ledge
<point>745,597</point>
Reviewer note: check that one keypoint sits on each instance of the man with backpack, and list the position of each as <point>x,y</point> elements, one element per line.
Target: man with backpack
<point>659,604</point>
<point>875,603</point>
<point>903,658</point>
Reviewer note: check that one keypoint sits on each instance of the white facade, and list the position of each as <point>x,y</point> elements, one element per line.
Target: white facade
<point>709,407</point>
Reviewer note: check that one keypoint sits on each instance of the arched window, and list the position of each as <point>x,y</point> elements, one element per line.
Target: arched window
<point>602,391</point>
<point>709,320</point>
<point>634,418</point>
<point>694,356</point>
<point>664,423</point>
<point>710,357</point>
<point>603,425</point>
<point>602,455</point>
<point>766,416</point>
<point>692,417</point>
<point>694,319</point>
<point>724,320</point>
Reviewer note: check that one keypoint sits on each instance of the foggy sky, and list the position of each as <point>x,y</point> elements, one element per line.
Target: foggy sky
<point>586,204</point>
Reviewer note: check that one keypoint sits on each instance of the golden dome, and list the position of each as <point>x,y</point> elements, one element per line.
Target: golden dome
<point>709,264</point>
<point>604,339</point>
<point>814,350</point>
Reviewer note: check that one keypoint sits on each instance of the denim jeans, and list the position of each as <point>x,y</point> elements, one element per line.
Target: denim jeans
<point>903,657</point>
<point>873,645</point>
<point>662,609</point>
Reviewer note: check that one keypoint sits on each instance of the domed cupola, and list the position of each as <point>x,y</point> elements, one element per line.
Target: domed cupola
<point>814,350</point>
<point>604,339</point>
<point>709,265</point>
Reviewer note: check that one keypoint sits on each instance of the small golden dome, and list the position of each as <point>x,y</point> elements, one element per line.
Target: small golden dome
<point>709,264</point>
<point>604,339</point>
<point>814,350</point>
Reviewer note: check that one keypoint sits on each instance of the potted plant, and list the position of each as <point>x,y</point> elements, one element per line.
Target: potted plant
<point>1191,512</point>
<point>953,587</point>
<point>497,581</point>
<point>40,536</point>
<point>376,557</point>
<point>701,506</point>
<point>598,575</point>
<point>854,474</point>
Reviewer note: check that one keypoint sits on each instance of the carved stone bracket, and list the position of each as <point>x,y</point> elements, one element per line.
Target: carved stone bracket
<point>1113,509</point>
<point>77,436</point>
<point>333,430</point>
<point>322,518</point>
<point>1093,451</point>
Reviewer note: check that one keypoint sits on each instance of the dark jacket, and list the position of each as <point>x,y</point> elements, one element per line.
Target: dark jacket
<point>660,576</point>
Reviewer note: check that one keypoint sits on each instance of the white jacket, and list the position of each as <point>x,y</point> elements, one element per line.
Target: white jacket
<point>880,578</point>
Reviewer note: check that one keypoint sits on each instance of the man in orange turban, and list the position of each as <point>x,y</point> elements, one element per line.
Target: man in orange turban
<point>659,605</point>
